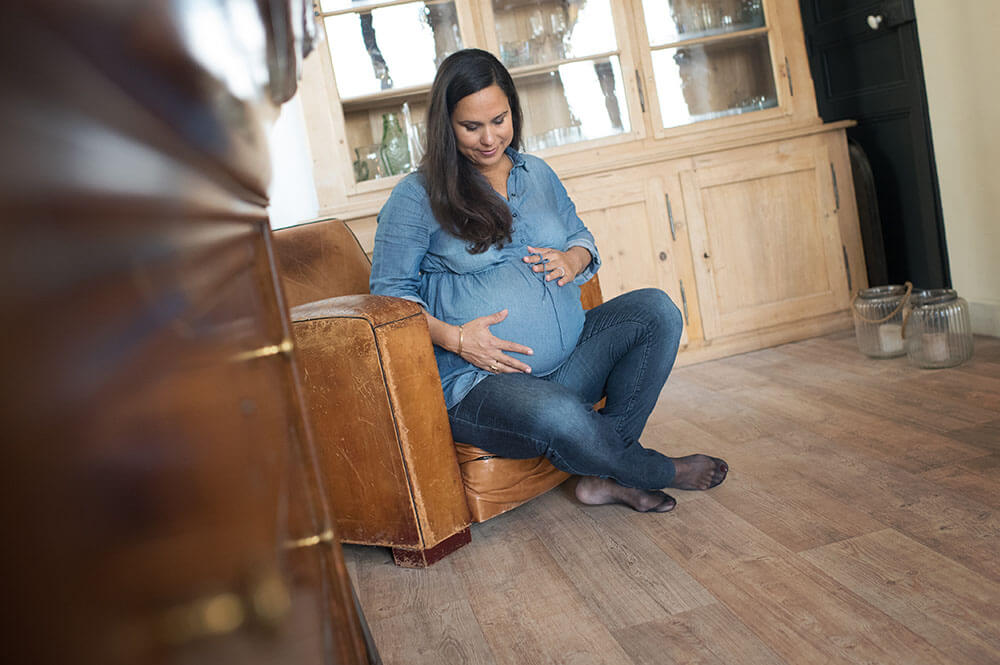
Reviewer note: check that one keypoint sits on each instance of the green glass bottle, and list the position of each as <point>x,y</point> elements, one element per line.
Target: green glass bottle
<point>395,148</point>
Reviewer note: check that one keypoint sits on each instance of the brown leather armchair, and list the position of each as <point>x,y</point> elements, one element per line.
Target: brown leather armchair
<point>395,476</point>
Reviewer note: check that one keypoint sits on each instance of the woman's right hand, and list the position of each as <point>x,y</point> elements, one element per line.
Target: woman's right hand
<point>485,351</point>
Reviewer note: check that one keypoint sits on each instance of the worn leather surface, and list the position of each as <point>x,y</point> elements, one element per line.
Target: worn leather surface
<point>320,260</point>
<point>494,484</point>
<point>376,310</point>
<point>590,293</point>
<point>378,415</point>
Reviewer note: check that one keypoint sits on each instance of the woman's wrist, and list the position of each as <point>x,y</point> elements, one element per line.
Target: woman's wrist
<point>581,258</point>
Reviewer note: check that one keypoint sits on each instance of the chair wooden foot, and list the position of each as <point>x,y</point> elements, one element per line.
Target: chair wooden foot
<point>424,558</point>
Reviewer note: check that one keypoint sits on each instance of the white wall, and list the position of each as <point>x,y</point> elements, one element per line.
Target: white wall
<point>959,41</point>
<point>292,192</point>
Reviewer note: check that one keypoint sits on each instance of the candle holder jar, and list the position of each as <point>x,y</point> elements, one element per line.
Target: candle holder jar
<point>878,320</point>
<point>938,330</point>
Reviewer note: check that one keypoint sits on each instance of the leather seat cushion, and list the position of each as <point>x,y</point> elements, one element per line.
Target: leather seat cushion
<point>494,485</point>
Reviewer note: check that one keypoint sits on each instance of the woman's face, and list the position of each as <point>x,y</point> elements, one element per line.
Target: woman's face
<point>483,127</point>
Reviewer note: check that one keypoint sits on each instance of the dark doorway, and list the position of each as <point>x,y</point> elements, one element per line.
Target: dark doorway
<point>865,62</point>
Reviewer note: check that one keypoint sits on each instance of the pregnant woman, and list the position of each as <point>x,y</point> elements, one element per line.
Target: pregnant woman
<point>487,241</point>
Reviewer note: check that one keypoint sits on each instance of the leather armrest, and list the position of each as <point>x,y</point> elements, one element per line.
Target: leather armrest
<point>375,403</point>
<point>376,310</point>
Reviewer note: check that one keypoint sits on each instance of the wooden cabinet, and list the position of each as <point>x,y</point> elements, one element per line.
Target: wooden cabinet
<point>685,131</point>
<point>764,240</point>
<point>631,215</point>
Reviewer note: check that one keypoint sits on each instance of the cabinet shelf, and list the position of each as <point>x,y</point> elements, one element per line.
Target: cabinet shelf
<point>387,98</point>
<point>713,37</point>
<point>527,72</point>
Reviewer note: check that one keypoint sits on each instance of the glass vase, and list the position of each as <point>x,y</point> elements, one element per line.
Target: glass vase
<point>395,149</point>
<point>878,320</point>
<point>938,330</point>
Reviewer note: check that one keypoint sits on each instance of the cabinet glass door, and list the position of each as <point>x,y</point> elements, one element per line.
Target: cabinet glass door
<point>384,57</point>
<point>565,60</point>
<point>710,58</point>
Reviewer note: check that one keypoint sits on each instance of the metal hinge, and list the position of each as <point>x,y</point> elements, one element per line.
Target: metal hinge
<point>670,217</point>
<point>324,538</point>
<point>284,348</point>
<point>642,95</point>
<point>847,269</point>
<point>788,73</point>
<point>684,303</point>
<point>836,190</point>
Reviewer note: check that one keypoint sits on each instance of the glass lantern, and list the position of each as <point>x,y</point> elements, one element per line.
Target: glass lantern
<point>938,330</point>
<point>878,320</point>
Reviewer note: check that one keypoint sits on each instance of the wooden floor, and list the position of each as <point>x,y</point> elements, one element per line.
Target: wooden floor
<point>858,525</point>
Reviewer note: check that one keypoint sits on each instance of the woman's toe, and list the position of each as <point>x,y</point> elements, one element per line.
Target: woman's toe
<point>720,473</point>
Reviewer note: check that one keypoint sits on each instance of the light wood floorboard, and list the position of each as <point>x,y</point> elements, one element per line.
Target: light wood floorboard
<point>859,524</point>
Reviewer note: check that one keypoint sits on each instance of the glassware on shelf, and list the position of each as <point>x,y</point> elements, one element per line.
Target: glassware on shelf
<point>368,163</point>
<point>515,53</point>
<point>878,320</point>
<point>669,21</point>
<point>714,79</point>
<point>938,330</point>
<point>395,146</point>
<point>540,33</point>
<point>750,13</point>
<point>579,101</point>
<point>415,136</point>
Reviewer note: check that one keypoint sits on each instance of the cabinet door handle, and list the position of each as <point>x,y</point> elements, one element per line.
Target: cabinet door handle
<point>642,95</point>
<point>788,74</point>
<point>847,269</point>
<point>836,190</point>
<point>684,303</point>
<point>670,217</point>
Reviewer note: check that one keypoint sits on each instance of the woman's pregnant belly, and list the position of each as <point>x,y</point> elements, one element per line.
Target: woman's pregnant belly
<point>541,315</point>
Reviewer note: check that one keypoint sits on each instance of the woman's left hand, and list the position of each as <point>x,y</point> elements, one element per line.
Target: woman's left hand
<point>564,266</point>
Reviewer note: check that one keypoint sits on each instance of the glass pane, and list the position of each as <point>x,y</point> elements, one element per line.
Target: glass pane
<point>579,101</point>
<point>537,32</point>
<point>391,47</point>
<point>669,21</point>
<point>713,80</point>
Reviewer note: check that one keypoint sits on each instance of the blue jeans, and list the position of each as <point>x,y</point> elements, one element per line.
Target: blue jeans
<point>626,352</point>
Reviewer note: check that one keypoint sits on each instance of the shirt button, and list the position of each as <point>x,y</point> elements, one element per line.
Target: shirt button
<point>513,214</point>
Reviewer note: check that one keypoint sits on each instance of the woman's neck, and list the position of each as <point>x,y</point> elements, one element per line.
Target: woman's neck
<point>497,175</point>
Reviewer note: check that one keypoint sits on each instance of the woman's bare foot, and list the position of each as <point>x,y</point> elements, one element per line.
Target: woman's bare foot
<point>698,472</point>
<point>598,491</point>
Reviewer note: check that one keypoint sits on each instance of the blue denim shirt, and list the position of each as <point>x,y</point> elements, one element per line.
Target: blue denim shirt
<point>414,258</point>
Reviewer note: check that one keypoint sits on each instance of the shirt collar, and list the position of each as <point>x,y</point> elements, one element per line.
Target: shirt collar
<point>516,158</point>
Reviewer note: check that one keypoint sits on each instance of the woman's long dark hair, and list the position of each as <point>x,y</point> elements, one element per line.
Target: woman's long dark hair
<point>461,198</point>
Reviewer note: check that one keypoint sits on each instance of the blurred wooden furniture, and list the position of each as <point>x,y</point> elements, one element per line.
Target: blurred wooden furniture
<point>161,502</point>
<point>376,406</point>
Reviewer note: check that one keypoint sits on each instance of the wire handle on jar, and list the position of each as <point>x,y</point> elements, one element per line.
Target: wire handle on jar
<point>902,302</point>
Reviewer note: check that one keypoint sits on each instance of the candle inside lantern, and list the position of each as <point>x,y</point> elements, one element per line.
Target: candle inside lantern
<point>935,346</point>
<point>890,337</point>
